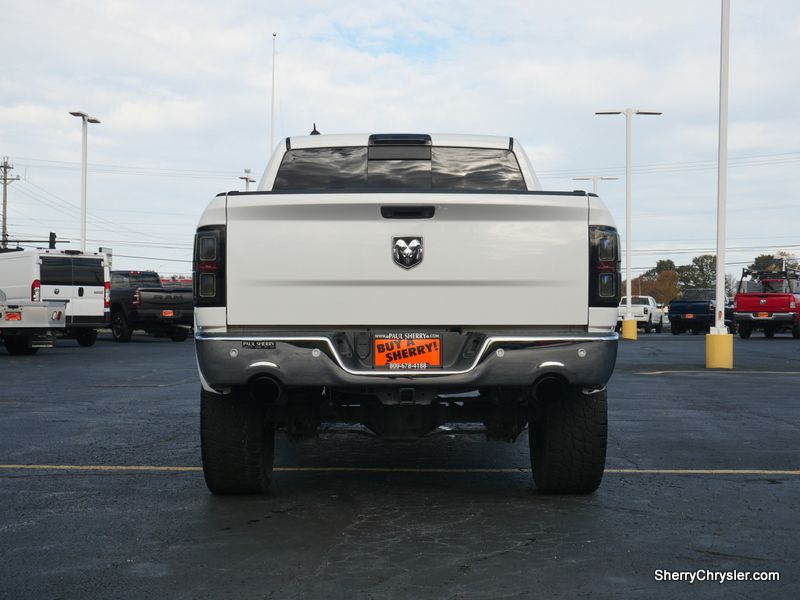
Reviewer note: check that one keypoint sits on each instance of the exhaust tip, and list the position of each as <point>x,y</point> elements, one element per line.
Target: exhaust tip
<point>265,389</point>
<point>549,387</point>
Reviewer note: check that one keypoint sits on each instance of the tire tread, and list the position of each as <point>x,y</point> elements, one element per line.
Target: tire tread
<point>237,445</point>
<point>568,447</point>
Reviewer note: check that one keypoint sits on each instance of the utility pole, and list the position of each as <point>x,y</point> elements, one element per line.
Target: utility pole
<point>6,181</point>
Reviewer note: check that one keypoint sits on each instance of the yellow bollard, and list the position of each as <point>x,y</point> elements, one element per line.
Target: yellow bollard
<point>719,351</point>
<point>629,329</point>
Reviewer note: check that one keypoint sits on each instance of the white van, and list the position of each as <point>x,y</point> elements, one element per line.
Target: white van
<point>81,279</point>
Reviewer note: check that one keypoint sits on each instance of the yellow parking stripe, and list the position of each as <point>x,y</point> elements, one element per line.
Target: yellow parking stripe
<point>722,372</point>
<point>180,469</point>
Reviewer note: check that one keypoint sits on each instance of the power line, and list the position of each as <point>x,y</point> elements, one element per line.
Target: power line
<point>752,160</point>
<point>710,250</point>
<point>60,203</point>
<point>666,167</point>
<point>153,258</point>
<point>104,167</point>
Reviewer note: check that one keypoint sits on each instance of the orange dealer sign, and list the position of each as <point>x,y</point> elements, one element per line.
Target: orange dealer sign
<point>407,350</point>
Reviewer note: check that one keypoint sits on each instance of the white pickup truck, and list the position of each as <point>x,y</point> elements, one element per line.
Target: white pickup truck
<point>403,282</point>
<point>645,312</point>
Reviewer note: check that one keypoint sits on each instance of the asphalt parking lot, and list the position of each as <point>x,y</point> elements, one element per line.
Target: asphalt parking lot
<point>102,494</point>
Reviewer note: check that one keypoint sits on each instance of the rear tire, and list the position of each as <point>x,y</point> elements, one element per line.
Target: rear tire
<point>20,345</point>
<point>179,334</point>
<point>660,326</point>
<point>87,337</point>
<point>648,327</point>
<point>676,329</point>
<point>120,329</point>
<point>568,438</point>
<point>745,329</point>
<point>237,443</point>
<point>796,330</point>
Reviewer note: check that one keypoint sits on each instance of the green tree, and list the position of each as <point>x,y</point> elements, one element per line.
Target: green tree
<point>702,273</point>
<point>765,262</point>
<point>661,266</point>
<point>774,262</point>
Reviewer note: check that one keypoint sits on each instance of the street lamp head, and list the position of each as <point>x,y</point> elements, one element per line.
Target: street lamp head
<point>647,112</point>
<point>581,178</point>
<point>84,116</point>
<point>609,178</point>
<point>609,112</point>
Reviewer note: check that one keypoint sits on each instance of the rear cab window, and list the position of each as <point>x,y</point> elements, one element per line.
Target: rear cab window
<point>135,279</point>
<point>413,167</point>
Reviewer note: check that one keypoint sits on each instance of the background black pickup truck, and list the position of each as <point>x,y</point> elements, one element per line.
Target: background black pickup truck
<point>140,301</point>
<point>694,312</point>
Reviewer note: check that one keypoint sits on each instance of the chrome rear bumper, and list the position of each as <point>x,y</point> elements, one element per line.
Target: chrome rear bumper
<point>227,360</point>
<point>773,316</point>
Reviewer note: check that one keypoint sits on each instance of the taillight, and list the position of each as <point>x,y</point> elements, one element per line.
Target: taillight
<point>107,294</point>
<point>604,266</point>
<point>36,291</point>
<point>209,266</point>
<point>646,311</point>
<point>137,299</point>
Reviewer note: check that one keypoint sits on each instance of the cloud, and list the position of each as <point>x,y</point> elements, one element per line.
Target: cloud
<point>154,114</point>
<point>187,86</point>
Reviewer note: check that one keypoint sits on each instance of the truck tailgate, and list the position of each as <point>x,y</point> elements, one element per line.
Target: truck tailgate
<point>756,302</point>
<point>166,298</point>
<point>693,307</point>
<point>326,259</point>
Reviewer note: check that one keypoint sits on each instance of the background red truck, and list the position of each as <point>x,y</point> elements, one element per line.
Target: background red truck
<point>769,301</point>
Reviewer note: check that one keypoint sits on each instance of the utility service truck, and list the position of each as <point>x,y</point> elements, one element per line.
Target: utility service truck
<point>81,279</point>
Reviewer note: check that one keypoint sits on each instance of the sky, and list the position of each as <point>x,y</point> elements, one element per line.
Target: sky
<point>182,90</point>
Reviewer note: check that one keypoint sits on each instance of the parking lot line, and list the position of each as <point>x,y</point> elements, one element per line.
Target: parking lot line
<point>717,371</point>
<point>423,470</point>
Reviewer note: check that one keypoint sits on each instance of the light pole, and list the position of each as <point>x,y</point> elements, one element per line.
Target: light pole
<point>594,179</point>
<point>272,104</point>
<point>247,180</point>
<point>628,323</point>
<point>719,343</point>
<point>86,119</point>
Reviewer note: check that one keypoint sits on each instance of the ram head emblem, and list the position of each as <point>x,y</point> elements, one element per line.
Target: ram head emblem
<point>407,251</point>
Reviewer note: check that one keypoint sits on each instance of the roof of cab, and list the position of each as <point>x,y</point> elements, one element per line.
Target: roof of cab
<point>361,139</point>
